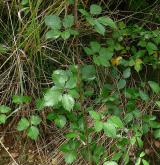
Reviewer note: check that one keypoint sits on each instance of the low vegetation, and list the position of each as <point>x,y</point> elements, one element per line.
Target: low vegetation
<point>88,70</point>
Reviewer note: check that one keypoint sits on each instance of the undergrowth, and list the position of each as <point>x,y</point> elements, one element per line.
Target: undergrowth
<point>91,69</point>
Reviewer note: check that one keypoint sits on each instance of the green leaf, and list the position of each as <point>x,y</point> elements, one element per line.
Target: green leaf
<point>33,132</point>
<point>143,95</point>
<point>138,161</point>
<point>35,120</point>
<point>88,72</point>
<point>140,142</point>
<point>145,128</point>
<point>24,2</point>
<point>121,84</point>
<point>89,93</point>
<point>68,21</point>
<point>128,117</point>
<point>95,9</point>
<point>4,109</point>
<point>95,115</point>
<point>158,103</point>
<point>74,93</point>
<point>156,133</point>
<point>117,156</point>
<point>145,162</point>
<point>142,155</point>
<point>99,28</point>
<point>138,64</point>
<point>52,97</point>
<point>133,140</point>
<point>3,118</point>
<point>73,32</point>
<point>71,145</point>
<point>73,68</point>
<point>68,102</point>
<point>95,46</point>
<point>71,135</point>
<point>23,124</point>
<point>84,12</point>
<point>71,2</point>
<point>101,60</point>
<point>154,124</point>
<point>107,22</point>
<point>142,43</point>
<point>148,118</point>
<point>126,158</point>
<point>66,147</point>
<point>110,163</point>
<point>109,129</point>
<point>21,99</point>
<point>96,60</point>
<point>53,22</point>
<point>116,121</point>
<point>51,116</point>
<point>154,86</point>
<point>106,54</point>
<point>53,34</point>
<point>127,73</point>
<point>88,51</point>
<point>91,21</point>
<point>65,34</point>
<point>60,77</point>
<point>151,47</point>
<point>60,121</point>
<point>137,113</point>
<point>70,157</point>
<point>98,126</point>
<point>98,151</point>
<point>121,25</point>
<point>72,82</point>
<point>39,104</point>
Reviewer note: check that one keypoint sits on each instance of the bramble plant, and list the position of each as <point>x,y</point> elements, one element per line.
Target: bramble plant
<point>3,111</point>
<point>30,125</point>
<point>55,24</point>
<point>114,112</point>
<point>114,52</point>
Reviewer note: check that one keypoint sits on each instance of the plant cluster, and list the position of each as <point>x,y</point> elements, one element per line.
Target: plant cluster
<point>120,111</point>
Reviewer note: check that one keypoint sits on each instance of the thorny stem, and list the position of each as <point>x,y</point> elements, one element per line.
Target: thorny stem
<point>79,84</point>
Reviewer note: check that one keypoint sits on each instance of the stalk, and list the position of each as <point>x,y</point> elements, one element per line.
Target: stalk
<point>79,84</point>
